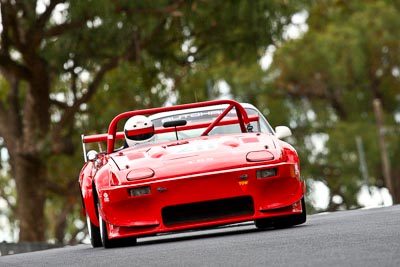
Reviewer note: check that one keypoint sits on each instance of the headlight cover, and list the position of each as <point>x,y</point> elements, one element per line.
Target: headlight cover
<point>141,173</point>
<point>257,156</point>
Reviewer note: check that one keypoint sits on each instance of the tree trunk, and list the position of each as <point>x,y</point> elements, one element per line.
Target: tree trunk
<point>30,198</point>
<point>396,187</point>
<point>29,153</point>
<point>392,184</point>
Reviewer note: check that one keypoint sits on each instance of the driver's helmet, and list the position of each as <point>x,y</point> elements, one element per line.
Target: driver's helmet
<point>138,129</point>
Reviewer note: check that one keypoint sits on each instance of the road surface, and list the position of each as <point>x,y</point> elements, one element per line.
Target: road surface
<point>365,238</point>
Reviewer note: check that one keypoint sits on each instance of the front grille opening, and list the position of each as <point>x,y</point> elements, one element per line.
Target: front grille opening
<point>208,210</point>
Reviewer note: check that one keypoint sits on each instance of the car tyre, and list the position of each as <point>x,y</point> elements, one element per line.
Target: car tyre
<point>264,223</point>
<point>94,233</point>
<point>301,218</point>
<point>284,221</point>
<point>107,243</point>
<point>112,243</point>
<point>288,221</point>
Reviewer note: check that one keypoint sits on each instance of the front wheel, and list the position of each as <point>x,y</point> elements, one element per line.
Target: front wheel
<point>103,233</point>
<point>112,243</point>
<point>94,233</point>
<point>284,221</point>
<point>299,218</point>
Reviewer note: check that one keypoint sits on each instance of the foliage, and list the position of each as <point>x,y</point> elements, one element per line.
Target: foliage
<point>67,67</point>
<point>348,58</point>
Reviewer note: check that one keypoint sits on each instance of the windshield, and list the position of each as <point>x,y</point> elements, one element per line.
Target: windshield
<point>261,125</point>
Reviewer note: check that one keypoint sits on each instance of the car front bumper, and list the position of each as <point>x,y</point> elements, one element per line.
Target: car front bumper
<point>207,199</point>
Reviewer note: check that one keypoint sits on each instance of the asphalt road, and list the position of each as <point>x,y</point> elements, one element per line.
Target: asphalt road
<point>349,238</point>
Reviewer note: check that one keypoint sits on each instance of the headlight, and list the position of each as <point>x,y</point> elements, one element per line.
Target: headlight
<point>266,173</point>
<point>139,191</point>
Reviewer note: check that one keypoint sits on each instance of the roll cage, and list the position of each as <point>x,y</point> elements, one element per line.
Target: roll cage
<point>112,135</point>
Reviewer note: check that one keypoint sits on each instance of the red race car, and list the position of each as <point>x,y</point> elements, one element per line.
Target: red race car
<point>189,166</point>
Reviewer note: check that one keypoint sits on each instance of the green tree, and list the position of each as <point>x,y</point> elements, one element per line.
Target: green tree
<point>56,56</point>
<point>348,58</point>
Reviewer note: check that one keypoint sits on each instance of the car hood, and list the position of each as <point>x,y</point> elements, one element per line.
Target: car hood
<point>186,157</point>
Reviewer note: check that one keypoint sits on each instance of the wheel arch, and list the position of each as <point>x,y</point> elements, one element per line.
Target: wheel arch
<point>90,200</point>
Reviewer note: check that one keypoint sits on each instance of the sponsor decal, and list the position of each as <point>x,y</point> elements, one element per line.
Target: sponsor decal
<point>192,148</point>
<point>202,160</point>
<point>243,184</point>
<point>162,189</point>
<point>243,177</point>
<point>106,198</point>
<point>201,115</point>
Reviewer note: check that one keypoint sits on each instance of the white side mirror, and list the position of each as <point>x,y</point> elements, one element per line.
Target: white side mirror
<point>92,155</point>
<point>282,132</point>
